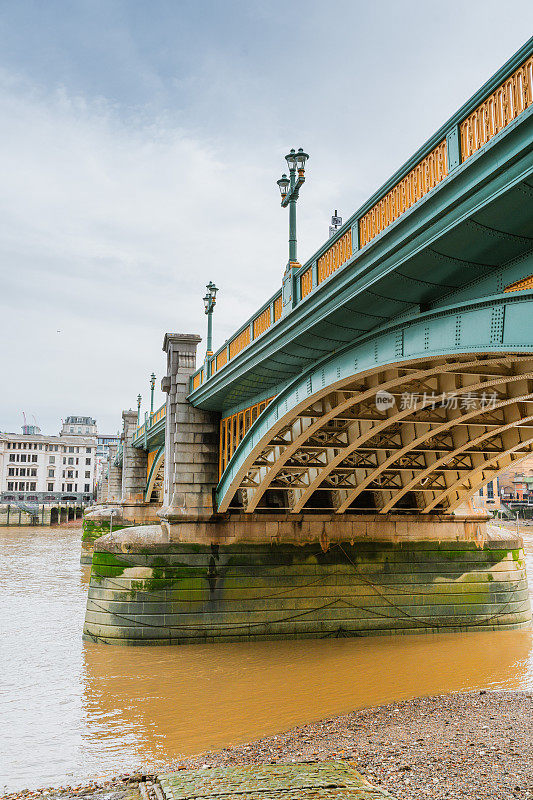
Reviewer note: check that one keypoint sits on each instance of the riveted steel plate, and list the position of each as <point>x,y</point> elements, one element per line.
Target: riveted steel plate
<point>327,780</point>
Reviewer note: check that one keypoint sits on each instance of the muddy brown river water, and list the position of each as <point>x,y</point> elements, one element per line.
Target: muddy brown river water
<point>72,710</point>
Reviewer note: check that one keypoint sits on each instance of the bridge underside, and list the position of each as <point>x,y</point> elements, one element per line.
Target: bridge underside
<point>414,437</point>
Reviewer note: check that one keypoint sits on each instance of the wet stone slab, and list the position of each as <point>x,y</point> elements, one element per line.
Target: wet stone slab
<point>327,780</point>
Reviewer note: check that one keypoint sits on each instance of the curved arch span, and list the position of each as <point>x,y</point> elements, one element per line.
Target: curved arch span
<point>394,423</point>
<point>154,472</point>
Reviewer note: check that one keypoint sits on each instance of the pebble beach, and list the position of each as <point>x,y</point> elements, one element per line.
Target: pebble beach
<point>461,746</point>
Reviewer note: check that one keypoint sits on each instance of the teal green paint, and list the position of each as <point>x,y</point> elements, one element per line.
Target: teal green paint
<point>453,144</point>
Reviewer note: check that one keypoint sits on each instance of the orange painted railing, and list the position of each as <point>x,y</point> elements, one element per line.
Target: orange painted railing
<point>498,110</point>
<point>421,180</point>
<point>262,322</point>
<point>233,428</point>
<point>278,306</point>
<point>152,420</point>
<point>335,256</point>
<point>221,360</point>
<point>306,282</point>
<point>239,342</point>
<point>159,414</point>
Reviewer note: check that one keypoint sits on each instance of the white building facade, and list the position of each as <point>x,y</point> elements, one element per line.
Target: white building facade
<point>45,469</point>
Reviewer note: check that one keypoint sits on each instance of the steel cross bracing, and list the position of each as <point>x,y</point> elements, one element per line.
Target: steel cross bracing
<point>421,458</point>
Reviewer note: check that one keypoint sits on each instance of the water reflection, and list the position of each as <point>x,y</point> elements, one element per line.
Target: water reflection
<point>187,699</point>
<point>71,709</point>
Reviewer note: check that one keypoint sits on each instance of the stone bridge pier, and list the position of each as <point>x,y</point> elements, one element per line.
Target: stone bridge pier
<point>191,439</point>
<point>114,482</point>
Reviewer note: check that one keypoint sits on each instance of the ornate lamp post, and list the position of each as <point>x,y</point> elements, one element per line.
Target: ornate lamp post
<point>290,191</point>
<point>152,387</point>
<point>210,300</point>
<point>139,398</point>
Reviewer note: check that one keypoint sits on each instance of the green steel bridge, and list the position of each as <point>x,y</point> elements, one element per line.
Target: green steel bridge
<point>393,371</point>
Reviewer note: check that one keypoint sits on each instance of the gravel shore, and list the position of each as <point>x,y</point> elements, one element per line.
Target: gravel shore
<point>462,746</point>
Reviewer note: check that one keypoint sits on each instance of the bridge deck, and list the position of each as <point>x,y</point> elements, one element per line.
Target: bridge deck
<point>470,218</point>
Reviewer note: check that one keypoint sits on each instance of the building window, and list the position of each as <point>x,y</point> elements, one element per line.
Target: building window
<point>71,461</point>
<point>34,458</point>
<point>70,474</point>
<point>490,491</point>
<point>87,488</point>
<point>23,457</point>
<point>10,486</point>
<point>50,473</point>
<point>34,473</point>
<point>51,459</point>
<point>11,471</point>
<point>12,456</point>
<point>87,474</point>
<point>69,487</point>
<point>71,450</point>
<point>50,487</point>
<point>33,486</point>
<point>87,462</point>
<point>22,471</point>
<point>87,449</point>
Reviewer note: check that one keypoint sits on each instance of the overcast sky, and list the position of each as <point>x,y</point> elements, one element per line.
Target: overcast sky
<point>140,143</point>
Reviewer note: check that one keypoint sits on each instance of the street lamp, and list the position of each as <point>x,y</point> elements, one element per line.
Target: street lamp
<point>290,190</point>
<point>210,300</point>
<point>152,387</point>
<point>139,398</point>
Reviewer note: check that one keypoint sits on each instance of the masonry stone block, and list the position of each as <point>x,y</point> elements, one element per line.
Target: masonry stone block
<point>114,488</point>
<point>187,492</point>
<point>134,462</point>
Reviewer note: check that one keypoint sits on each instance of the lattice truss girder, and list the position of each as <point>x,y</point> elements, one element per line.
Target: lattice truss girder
<point>450,426</point>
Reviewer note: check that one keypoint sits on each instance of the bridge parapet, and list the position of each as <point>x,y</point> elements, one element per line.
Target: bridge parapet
<point>490,111</point>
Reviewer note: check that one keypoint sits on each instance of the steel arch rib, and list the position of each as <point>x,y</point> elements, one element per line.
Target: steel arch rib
<point>470,490</point>
<point>449,367</point>
<point>445,426</point>
<point>471,479</point>
<point>450,455</point>
<point>402,451</point>
<point>363,357</point>
<point>153,473</point>
<point>386,423</point>
<point>346,405</point>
